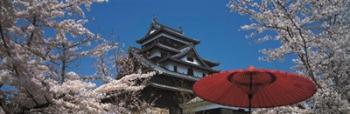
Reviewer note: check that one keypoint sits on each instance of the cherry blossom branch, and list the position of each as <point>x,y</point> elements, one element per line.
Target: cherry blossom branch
<point>303,56</point>
<point>32,33</point>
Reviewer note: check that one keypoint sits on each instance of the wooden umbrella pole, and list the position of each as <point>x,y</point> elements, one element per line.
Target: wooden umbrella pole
<point>250,95</point>
<point>250,105</point>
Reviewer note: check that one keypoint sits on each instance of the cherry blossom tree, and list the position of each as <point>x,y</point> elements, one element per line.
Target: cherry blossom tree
<point>317,33</point>
<point>40,39</point>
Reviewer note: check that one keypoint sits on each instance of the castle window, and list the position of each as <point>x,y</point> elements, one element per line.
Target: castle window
<point>190,59</point>
<point>175,68</point>
<point>163,54</point>
<point>190,71</point>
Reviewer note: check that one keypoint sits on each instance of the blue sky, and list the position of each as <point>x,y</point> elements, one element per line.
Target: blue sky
<point>209,21</point>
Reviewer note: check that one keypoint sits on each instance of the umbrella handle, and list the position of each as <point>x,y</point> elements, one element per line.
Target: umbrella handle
<point>250,95</point>
<point>250,103</point>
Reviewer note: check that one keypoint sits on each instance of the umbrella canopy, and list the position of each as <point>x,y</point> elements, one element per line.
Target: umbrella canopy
<point>256,88</point>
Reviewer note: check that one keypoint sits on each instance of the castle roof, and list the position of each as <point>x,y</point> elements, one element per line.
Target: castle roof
<point>143,61</point>
<point>161,46</point>
<point>178,53</point>
<point>156,28</point>
<point>205,64</point>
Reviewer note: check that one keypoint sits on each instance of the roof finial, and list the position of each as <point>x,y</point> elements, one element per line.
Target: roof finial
<point>154,20</point>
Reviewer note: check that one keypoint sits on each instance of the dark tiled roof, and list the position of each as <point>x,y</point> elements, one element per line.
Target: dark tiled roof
<point>160,28</point>
<point>149,64</point>
<point>193,65</point>
<point>162,46</point>
<point>170,87</point>
<point>211,63</point>
<point>206,63</point>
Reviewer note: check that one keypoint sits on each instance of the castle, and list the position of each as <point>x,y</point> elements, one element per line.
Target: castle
<point>173,55</point>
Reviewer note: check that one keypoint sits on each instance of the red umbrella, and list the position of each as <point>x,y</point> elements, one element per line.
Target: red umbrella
<point>254,88</point>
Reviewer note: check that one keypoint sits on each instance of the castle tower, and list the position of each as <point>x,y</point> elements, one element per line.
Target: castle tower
<point>173,55</point>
